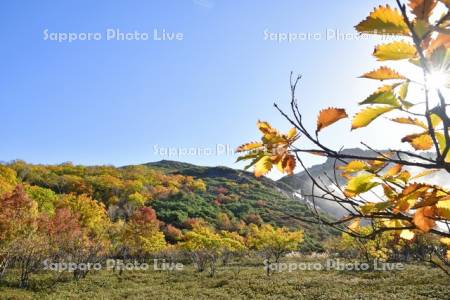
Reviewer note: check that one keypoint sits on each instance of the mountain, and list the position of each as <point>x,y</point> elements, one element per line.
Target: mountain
<point>243,196</point>
<point>186,169</point>
<point>302,184</point>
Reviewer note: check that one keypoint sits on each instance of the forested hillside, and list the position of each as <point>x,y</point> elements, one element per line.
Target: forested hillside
<point>179,193</point>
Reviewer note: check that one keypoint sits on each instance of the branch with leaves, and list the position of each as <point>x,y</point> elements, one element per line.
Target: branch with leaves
<point>385,188</point>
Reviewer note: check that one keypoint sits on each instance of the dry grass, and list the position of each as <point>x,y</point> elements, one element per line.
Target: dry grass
<point>415,282</point>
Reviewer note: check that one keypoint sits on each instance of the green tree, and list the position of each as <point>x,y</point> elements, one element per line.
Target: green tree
<point>45,198</point>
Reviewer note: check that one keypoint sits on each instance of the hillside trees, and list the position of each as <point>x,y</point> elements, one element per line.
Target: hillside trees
<point>92,214</point>
<point>93,242</point>
<point>18,216</point>
<point>8,179</point>
<point>177,208</point>
<point>70,216</point>
<point>39,226</point>
<point>206,246</point>
<point>68,228</point>
<point>273,243</point>
<point>142,235</point>
<point>107,184</point>
<point>172,234</point>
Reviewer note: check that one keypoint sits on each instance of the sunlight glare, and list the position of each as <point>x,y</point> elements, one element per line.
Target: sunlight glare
<point>438,80</point>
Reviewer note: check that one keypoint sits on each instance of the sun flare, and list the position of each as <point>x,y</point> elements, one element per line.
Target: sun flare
<point>438,80</point>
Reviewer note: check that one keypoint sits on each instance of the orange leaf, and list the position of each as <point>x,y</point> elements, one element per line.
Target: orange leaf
<point>393,171</point>
<point>440,40</point>
<point>329,116</point>
<point>412,188</point>
<point>289,164</point>
<point>422,8</point>
<point>383,73</point>
<point>423,218</point>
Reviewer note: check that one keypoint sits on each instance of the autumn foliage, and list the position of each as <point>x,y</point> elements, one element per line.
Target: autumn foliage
<point>389,189</point>
<point>66,214</point>
<point>83,214</point>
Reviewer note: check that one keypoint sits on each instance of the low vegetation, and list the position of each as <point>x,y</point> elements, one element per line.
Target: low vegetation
<point>246,282</point>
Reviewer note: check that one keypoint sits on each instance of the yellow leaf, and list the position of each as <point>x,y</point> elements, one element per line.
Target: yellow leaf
<point>389,192</point>
<point>360,184</point>
<point>424,173</point>
<point>445,241</point>
<point>378,164</point>
<point>375,207</point>
<point>382,97</point>
<point>249,146</point>
<point>404,176</point>
<point>354,225</point>
<point>395,51</point>
<point>383,73</point>
<point>292,133</point>
<point>442,144</point>
<point>354,166</point>
<point>367,208</point>
<point>420,141</point>
<point>252,155</point>
<point>435,120</point>
<point>423,218</point>
<point>422,8</point>
<point>393,171</point>
<point>394,223</point>
<point>273,150</point>
<point>263,166</point>
<point>367,115</point>
<point>410,121</point>
<point>280,165</point>
<point>407,234</point>
<point>423,142</point>
<point>443,208</point>
<point>329,116</point>
<point>403,92</point>
<point>383,20</point>
<point>265,128</point>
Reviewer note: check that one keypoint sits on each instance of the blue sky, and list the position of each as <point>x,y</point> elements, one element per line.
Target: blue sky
<point>116,102</point>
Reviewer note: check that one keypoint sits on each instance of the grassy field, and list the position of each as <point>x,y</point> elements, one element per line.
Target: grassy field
<point>415,282</point>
